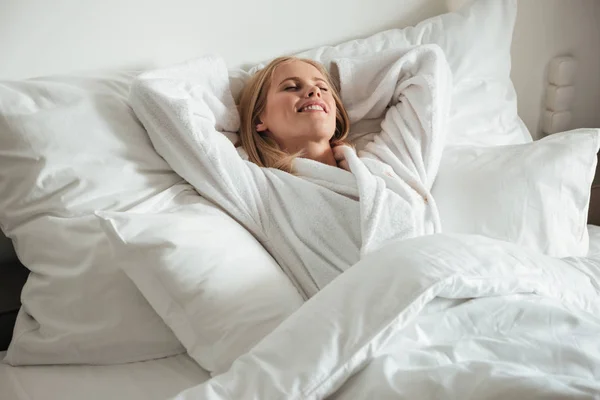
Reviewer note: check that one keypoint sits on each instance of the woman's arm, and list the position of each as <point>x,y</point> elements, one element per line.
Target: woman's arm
<point>183,109</point>
<point>413,88</point>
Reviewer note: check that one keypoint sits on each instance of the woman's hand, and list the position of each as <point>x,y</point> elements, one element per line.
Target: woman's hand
<point>340,159</point>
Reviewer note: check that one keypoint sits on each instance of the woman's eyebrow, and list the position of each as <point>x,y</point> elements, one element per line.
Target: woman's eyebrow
<point>295,78</point>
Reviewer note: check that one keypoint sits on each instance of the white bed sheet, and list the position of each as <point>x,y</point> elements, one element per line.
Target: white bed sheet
<point>149,380</point>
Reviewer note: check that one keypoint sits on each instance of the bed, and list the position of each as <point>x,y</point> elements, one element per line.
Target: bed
<point>120,281</point>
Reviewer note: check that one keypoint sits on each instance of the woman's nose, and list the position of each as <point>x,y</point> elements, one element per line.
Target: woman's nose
<point>314,92</point>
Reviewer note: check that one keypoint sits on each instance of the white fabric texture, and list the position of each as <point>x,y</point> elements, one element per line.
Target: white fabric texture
<point>440,316</point>
<point>476,41</point>
<point>594,235</point>
<point>221,297</point>
<point>313,224</point>
<point>535,194</point>
<point>70,146</point>
<point>147,380</point>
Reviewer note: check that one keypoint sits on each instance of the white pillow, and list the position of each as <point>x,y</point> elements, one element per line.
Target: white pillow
<point>205,275</point>
<point>71,146</point>
<point>476,41</point>
<point>68,147</point>
<point>536,194</point>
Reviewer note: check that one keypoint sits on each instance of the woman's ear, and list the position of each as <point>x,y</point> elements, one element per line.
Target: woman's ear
<point>261,126</point>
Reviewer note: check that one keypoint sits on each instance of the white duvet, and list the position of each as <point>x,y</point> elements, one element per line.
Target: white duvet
<point>440,316</point>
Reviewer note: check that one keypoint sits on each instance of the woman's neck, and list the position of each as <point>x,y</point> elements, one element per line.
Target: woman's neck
<point>317,151</point>
<point>322,153</point>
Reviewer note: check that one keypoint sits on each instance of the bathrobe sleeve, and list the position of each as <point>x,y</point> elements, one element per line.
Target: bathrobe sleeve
<point>412,89</point>
<point>185,109</point>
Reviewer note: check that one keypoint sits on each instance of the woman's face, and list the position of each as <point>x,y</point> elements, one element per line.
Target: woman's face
<point>300,107</point>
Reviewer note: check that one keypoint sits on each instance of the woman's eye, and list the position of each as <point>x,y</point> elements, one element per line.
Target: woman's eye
<point>324,89</point>
<point>291,88</point>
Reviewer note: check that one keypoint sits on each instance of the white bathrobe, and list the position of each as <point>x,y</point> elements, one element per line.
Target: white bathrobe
<point>318,223</point>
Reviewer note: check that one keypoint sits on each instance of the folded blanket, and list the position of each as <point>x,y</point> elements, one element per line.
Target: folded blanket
<point>318,223</point>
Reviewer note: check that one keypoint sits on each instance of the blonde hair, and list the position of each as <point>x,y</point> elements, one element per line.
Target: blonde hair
<point>261,149</point>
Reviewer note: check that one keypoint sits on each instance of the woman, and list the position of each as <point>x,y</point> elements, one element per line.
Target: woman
<point>315,218</point>
<point>288,109</point>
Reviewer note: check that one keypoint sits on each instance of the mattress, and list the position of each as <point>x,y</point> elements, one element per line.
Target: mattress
<point>149,380</point>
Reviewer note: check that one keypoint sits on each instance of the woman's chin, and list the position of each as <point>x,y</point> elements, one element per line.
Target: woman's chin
<point>321,129</point>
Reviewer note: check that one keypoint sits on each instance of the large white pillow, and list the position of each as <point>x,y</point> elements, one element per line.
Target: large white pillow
<point>68,147</point>
<point>476,41</point>
<point>535,194</point>
<point>206,276</point>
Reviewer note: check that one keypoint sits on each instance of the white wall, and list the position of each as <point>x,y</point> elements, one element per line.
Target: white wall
<point>550,28</point>
<point>39,37</point>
